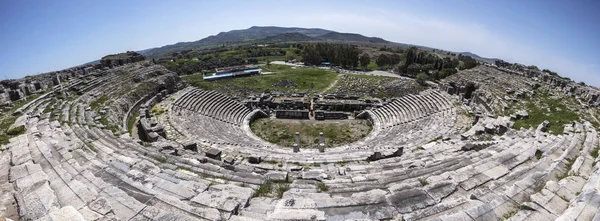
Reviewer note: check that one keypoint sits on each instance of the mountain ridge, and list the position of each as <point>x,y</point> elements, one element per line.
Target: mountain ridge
<point>267,33</point>
<point>275,34</point>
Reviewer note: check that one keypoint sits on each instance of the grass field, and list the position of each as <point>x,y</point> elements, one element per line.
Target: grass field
<point>304,79</point>
<point>553,109</point>
<point>335,132</point>
<point>372,66</point>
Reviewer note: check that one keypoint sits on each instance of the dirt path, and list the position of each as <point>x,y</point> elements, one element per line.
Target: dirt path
<point>333,84</point>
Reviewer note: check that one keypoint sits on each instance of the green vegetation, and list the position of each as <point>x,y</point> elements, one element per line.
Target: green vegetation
<point>422,78</point>
<point>510,213</point>
<point>21,103</point>
<point>556,74</point>
<point>264,190</point>
<point>484,137</point>
<point>90,146</point>
<point>538,154</point>
<point>303,79</point>
<point>524,207</point>
<point>109,126</point>
<point>205,60</point>
<point>417,149</point>
<point>423,181</point>
<point>270,188</point>
<point>382,61</point>
<point>48,108</point>
<point>567,168</point>
<point>16,131</point>
<point>271,161</point>
<point>322,187</point>
<point>344,55</point>
<point>158,110</point>
<point>335,133</point>
<point>282,188</point>
<point>594,152</point>
<point>372,66</point>
<point>4,124</point>
<point>160,159</point>
<point>7,119</point>
<point>376,86</point>
<point>437,139</point>
<point>553,109</point>
<point>96,104</point>
<point>539,186</point>
<point>419,61</point>
<point>365,61</point>
<point>132,121</point>
<point>277,68</point>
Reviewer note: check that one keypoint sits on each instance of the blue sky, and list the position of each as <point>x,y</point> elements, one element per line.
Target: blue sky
<point>42,36</point>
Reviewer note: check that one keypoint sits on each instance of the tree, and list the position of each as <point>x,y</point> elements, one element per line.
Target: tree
<point>252,61</point>
<point>382,60</point>
<point>365,59</point>
<point>468,62</point>
<point>395,59</point>
<point>413,69</point>
<point>290,55</point>
<point>422,78</point>
<point>311,56</point>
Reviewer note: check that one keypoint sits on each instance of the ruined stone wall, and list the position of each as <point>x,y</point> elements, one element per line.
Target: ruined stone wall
<point>115,60</point>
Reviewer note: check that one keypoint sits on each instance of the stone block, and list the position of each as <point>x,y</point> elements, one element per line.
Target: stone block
<point>229,160</point>
<point>277,176</point>
<point>254,159</point>
<point>213,154</point>
<point>225,197</point>
<point>190,146</point>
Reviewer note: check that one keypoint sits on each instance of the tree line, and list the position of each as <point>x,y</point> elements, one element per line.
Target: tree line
<point>337,54</point>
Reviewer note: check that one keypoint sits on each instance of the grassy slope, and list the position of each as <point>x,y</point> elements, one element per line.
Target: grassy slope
<point>555,110</point>
<point>6,118</point>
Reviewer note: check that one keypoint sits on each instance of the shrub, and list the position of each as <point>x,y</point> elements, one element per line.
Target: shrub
<point>322,187</point>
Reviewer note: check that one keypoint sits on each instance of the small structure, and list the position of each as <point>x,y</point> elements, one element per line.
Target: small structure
<point>190,145</point>
<point>292,114</point>
<point>321,143</point>
<point>329,115</point>
<point>232,72</point>
<point>297,142</point>
<point>213,153</point>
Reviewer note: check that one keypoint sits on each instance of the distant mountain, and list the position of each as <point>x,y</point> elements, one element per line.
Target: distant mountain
<point>287,37</point>
<point>234,36</point>
<point>479,58</point>
<point>351,37</point>
<point>268,34</point>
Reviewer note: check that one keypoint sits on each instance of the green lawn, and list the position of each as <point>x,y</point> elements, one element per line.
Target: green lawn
<point>305,80</point>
